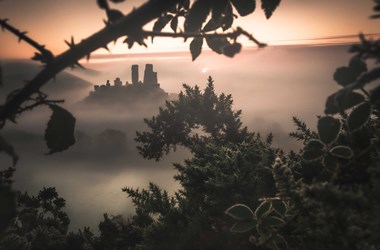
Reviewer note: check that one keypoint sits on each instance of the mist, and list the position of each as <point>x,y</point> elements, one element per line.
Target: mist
<point>90,174</point>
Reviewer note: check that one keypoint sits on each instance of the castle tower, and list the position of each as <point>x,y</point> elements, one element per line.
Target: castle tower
<point>150,77</point>
<point>135,74</point>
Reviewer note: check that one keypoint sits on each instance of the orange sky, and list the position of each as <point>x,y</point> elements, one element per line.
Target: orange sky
<point>52,21</point>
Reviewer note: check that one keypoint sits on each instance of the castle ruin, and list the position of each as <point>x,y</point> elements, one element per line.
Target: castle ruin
<point>149,88</point>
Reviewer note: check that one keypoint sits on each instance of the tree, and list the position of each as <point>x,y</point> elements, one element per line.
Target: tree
<point>328,194</point>
<point>228,164</point>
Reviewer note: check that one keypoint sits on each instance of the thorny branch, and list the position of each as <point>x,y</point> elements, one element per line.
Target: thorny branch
<point>129,25</point>
<point>124,26</point>
<point>46,54</point>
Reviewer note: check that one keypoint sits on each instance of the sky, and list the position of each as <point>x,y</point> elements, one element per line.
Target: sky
<point>50,22</point>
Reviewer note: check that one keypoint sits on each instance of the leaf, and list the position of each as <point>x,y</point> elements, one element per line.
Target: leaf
<point>330,162</point>
<point>244,7</point>
<point>240,212</point>
<point>197,15</point>
<point>328,129</point>
<point>358,66</point>
<point>174,24</point>
<point>280,240</point>
<point>342,152</point>
<point>211,25</point>
<point>8,149</point>
<point>343,76</point>
<point>339,102</point>
<point>243,226</point>
<point>162,22</point>
<point>359,116</point>
<point>196,47</point>
<point>346,75</point>
<point>262,230</point>
<point>279,207</point>
<point>227,22</point>
<point>273,221</point>
<point>228,19</point>
<point>269,6</point>
<point>314,150</point>
<point>314,144</point>
<point>264,208</point>
<point>232,49</point>
<point>217,44</point>
<point>114,15</point>
<point>220,7</point>
<point>102,4</point>
<point>59,134</point>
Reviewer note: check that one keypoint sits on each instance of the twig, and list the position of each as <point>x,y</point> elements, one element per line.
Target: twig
<point>233,35</point>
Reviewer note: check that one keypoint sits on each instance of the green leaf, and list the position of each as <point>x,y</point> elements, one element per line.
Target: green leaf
<point>338,102</point>
<point>196,47</point>
<point>272,221</point>
<point>217,44</point>
<point>197,15</point>
<point>240,212</point>
<point>359,116</point>
<point>280,240</point>
<point>314,150</point>
<point>314,144</point>
<point>243,226</point>
<point>232,49</point>
<point>330,162</point>
<point>174,24</point>
<point>8,149</point>
<point>312,155</point>
<point>279,207</point>
<point>162,22</point>
<point>59,134</point>
<point>244,7</point>
<point>263,209</point>
<point>263,230</point>
<point>342,152</point>
<point>269,6</point>
<point>328,129</point>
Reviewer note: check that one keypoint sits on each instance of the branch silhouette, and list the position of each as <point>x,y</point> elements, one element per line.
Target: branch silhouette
<point>127,25</point>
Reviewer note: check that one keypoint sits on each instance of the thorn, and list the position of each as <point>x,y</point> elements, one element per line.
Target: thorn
<point>68,44</point>
<point>88,57</point>
<point>106,48</point>
<point>72,40</point>
<point>80,65</point>
<point>22,35</point>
